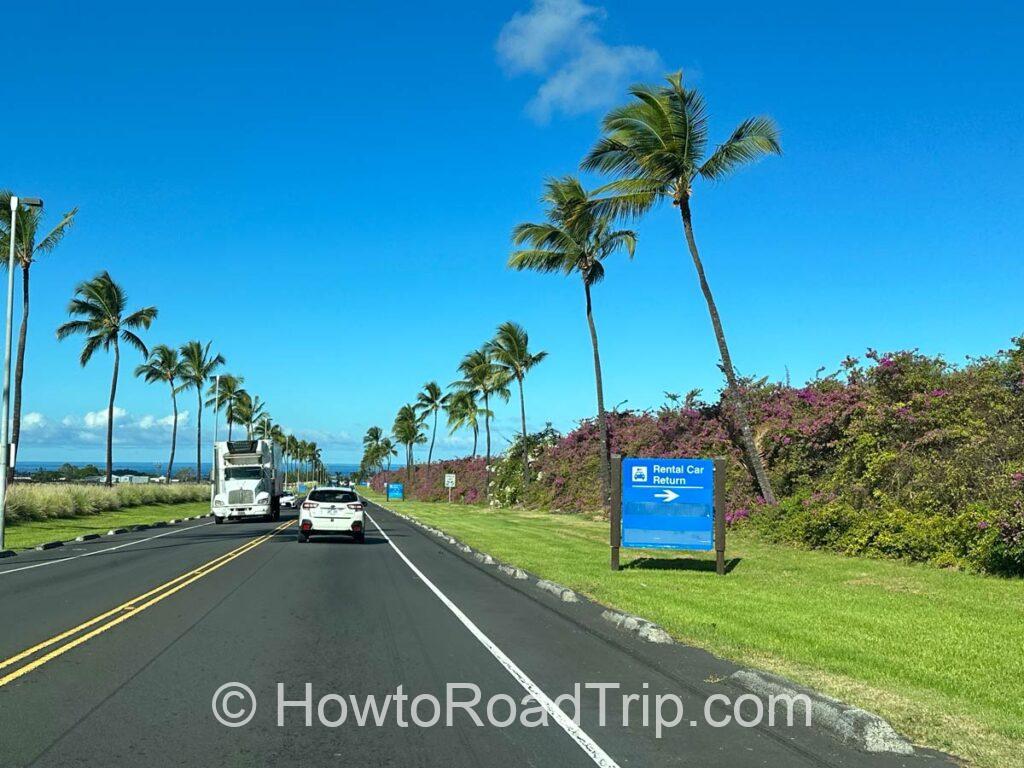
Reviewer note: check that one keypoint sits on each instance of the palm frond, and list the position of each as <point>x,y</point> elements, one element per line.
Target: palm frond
<point>753,139</point>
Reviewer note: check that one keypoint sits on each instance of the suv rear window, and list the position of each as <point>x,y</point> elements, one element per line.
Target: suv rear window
<point>333,497</point>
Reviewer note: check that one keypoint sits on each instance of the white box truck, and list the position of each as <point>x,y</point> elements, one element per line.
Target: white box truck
<point>247,481</point>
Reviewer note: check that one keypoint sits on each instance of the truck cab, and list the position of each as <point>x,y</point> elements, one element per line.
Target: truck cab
<point>247,482</point>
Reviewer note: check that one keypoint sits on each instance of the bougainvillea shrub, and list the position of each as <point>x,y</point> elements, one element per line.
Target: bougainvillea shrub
<point>428,482</point>
<point>897,455</point>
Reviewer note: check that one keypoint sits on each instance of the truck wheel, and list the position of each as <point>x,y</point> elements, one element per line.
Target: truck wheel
<point>303,538</point>
<point>360,537</point>
<point>218,519</point>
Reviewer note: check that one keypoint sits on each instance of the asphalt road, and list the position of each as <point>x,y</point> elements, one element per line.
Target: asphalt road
<point>111,653</point>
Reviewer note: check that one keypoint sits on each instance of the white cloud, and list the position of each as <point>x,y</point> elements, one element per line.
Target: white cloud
<point>90,429</point>
<point>99,418</point>
<point>32,421</point>
<point>560,41</point>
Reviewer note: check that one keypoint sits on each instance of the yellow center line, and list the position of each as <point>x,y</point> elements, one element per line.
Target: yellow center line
<point>126,610</point>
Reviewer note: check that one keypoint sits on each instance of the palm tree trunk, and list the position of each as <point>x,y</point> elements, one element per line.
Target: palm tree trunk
<point>110,416</point>
<point>734,394</point>
<point>476,437</point>
<point>174,432</point>
<point>199,436</point>
<point>19,367</point>
<point>430,453</point>
<point>526,452</point>
<point>487,461</point>
<point>602,420</point>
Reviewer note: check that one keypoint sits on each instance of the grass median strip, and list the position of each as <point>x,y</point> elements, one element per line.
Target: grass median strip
<point>30,534</point>
<point>98,624</point>
<point>938,653</point>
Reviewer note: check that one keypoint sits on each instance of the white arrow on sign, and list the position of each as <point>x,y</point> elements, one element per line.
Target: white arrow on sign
<point>667,495</point>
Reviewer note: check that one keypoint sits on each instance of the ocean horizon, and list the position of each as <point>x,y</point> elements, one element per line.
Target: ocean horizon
<point>148,467</point>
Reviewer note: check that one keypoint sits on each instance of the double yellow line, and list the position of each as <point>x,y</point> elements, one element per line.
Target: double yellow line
<point>121,613</point>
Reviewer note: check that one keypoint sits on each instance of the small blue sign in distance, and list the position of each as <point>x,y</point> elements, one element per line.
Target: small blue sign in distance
<point>396,491</point>
<point>668,503</point>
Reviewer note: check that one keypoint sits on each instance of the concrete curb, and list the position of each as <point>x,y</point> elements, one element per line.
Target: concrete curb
<point>115,531</point>
<point>159,524</point>
<point>139,528</point>
<point>87,537</point>
<point>511,570</point>
<point>7,553</point>
<point>50,545</point>
<point>645,630</point>
<point>564,594</point>
<point>850,724</point>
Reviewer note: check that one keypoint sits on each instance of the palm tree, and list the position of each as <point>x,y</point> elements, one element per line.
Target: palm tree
<point>199,367</point>
<point>483,376</point>
<point>248,411</point>
<point>656,144</point>
<point>430,401</point>
<point>464,413</point>
<point>387,450</point>
<point>224,395</point>
<point>408,430</point>
<point>26,248</point>
<point>511,352</point>
<point>165,365</point>
<point>575,240</point>
<point>101,303</point>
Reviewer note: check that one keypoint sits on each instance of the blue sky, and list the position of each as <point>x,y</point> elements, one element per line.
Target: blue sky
<point>326,191</point>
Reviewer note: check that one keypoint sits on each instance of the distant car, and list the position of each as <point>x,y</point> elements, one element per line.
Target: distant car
<point>331,511</point>
<point>288,501</point>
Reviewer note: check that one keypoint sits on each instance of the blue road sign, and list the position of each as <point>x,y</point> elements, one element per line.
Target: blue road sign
<point>668,503</point>
<point>396,491</point>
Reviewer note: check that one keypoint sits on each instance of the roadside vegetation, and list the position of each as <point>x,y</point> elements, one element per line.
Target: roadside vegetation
<point>28,502</point>
<point>937,652</point>
<point>898,455</point>
<point>33,533</point>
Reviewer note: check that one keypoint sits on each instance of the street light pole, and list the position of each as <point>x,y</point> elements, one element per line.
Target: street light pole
<point>6,452</point>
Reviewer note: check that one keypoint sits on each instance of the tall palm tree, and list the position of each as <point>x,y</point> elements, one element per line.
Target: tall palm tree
<point>200,366</point>
<point>248,411</point>
<point>27,247</point>
<point>387,451</point>
<point>373,437</point>
<point>224,396</point>
<point>575,240</point>
<point>408,430</point>
<point>431,401</point>
<point>100,303</point>
<point>483,376</point>
<point>657,145</point>
<point>464,413</point>
<point>165,365</point>
<point>510,348</point>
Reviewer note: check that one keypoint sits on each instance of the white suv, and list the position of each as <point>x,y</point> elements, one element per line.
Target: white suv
<point>330,511</point>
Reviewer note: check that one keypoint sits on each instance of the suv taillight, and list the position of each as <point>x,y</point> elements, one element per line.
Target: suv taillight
<point>357,507</point>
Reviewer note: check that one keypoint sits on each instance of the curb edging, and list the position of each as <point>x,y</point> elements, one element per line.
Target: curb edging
<point>850,724</point>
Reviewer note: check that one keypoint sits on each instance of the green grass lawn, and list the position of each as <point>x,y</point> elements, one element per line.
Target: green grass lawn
<point>25,535</point>
<point>939,653</point>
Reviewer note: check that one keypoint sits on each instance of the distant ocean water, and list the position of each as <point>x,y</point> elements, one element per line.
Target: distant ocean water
<point>149,467</point>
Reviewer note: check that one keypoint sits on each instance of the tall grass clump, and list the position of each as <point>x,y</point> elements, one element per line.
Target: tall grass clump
<point>54,501</point>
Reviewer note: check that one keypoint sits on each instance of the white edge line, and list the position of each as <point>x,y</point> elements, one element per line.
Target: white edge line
<point>101,551</point>
<point>577,734</point>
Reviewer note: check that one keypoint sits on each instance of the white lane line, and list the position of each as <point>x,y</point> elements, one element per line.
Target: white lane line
<point>101,551</point>
<point>577,734</point>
